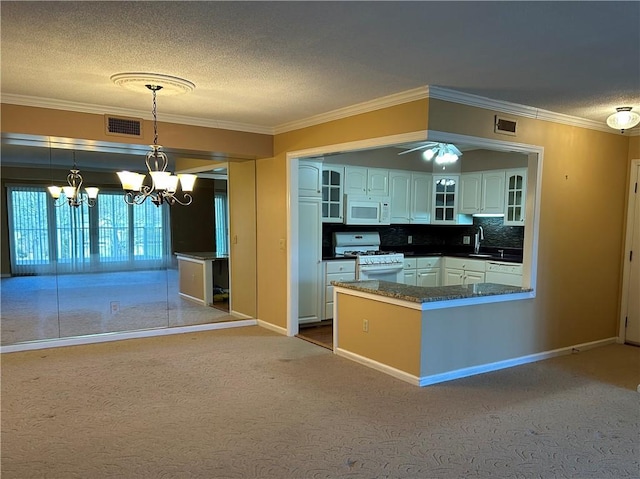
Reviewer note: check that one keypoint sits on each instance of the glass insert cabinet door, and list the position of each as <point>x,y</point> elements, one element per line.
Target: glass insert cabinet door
<point>445,192</point>
<point>332,187</point>
<point>515,200</point>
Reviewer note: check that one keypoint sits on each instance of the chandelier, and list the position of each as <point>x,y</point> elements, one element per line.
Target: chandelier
<point>164,184</point>
<point>72,192</point>
<point>623,119</point>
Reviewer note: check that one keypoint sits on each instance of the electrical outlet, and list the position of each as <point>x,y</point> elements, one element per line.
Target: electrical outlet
<point>365,325</point>
<point>115,307</point>
<point>466,240</point>
<point>409,239</point>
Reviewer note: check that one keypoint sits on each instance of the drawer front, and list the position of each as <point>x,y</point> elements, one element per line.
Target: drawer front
<point>348,266</point>
<point>510,268</point>
<point>410,263</point>
<point>466,264</point>
<point>428,263</point>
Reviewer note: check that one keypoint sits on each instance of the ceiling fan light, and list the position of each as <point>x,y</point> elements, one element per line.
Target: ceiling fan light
<point>428,154</point>
<point>623,119</point>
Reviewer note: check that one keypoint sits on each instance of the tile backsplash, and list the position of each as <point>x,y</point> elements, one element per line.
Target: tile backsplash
<point>434,237</point>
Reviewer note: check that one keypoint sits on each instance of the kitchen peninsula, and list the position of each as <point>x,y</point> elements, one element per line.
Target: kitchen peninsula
<point>196,281</point>
<point>426,335</point>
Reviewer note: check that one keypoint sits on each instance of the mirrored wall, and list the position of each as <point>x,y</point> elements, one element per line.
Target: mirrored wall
<point>97,267</point>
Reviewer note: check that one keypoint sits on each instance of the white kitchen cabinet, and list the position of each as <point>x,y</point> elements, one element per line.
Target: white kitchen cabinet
<point>409,270</point>
<point>336,270</point>
<point>444,208</point>
<point>420,198</point>
<point>309,179</point>
<point>410,195</point>
<point>400,196</point>
<point>428,271</point>
<point>359,180</point>
<point>422,271</point>
<point>332,196</point>
<point>482,192</point>
<point>515,197</point>
<point>461,271</point>
<point>309,259</point>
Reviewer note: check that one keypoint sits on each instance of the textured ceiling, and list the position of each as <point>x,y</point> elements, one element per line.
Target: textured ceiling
<point>270,63</point>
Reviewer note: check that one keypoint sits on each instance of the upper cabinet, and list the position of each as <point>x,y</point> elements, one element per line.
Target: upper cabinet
<point>410,195</point>
<point>309,177</point>
<point>359,180</point>
<point>515,197</point>
<point>332,185</point>
<point>444,209</point>
<point>482,192</point>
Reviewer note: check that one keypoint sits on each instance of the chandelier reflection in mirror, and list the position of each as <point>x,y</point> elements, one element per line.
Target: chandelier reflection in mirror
<point>164,185</point>
<point>73,192</point>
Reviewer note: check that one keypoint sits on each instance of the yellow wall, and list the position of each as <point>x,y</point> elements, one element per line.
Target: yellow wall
<point>87,126</point>
<point>581,215</point>
<point>272,190</point>
<point>393,336</point>
<point>242,226</point>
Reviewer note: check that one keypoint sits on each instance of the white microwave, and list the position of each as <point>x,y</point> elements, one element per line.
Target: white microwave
<point>367,210</point>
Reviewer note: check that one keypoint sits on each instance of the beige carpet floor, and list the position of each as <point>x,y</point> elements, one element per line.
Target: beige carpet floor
<point>248,403</point>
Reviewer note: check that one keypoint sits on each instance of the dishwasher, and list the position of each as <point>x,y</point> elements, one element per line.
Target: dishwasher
<point>504,273</point>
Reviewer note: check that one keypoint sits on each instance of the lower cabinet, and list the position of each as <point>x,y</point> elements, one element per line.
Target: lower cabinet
<point>422,271</point>
<point>339,270</point>
<point>461,271</point>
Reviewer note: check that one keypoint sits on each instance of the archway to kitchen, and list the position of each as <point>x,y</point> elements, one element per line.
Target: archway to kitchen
<point>532,153</point>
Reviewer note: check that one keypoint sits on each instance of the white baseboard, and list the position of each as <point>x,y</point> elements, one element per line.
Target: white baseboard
<point>473,370</point>
<point>396,373</point>
<point>272,327</point>
<point>236,314</point>
<point>108,337</point>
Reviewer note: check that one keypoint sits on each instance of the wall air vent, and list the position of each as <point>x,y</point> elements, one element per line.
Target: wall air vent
<point>123,126</point>
<point>506,126</point>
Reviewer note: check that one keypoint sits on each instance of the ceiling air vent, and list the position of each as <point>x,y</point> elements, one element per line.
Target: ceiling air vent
<point>123,126</point>
<point>506,126</point>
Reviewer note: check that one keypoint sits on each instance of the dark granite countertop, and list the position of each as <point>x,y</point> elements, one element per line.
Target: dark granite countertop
<point>203,255</point>
<point>420,294</point>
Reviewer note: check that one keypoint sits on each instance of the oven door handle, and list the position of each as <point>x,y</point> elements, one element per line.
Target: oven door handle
<point>375,270</point>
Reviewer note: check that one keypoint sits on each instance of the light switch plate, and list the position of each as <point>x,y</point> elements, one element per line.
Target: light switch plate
<point>466,240</point>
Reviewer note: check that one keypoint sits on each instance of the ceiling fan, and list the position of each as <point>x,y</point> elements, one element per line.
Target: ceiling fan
<point>442,153</point>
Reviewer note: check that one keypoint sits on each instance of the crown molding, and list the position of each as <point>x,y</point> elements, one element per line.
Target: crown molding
<point>419,93</point>
<point>54,104</point>
<point>454,96</point>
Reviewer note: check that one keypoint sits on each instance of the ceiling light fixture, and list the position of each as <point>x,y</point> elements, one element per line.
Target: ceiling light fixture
<point>623,119</point>
<point>164,185</point>
<point>442,154</point>
<point>72,192</point>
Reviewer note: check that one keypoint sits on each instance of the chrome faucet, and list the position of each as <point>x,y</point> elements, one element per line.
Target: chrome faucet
<point>479,236</point>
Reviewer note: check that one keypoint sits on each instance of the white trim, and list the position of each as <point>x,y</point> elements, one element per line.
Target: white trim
<point>427,91</point>
<point>453,96</point>
<point>240,315</point>
<point>54,104</point>
<point>108,337</point>
<point>391,371</point>
<point>394,99</point>
<point>272,327</point>
<point>626,264</point>
<point>508,363</point>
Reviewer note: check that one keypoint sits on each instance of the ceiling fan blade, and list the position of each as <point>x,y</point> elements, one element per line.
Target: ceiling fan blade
<point>421,147</point>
